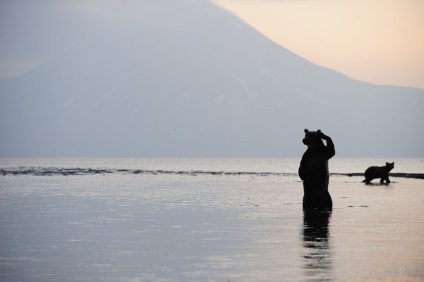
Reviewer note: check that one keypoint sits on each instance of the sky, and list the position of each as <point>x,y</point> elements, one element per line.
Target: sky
<point>377,41</point>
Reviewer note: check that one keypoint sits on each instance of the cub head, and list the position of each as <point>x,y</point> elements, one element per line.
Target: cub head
<point>390,166</point>
<point>313,138</point>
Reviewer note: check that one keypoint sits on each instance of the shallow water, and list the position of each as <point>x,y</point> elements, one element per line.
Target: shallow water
<point>203,227</point>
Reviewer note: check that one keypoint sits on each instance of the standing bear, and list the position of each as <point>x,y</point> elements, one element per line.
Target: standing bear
<point>313,170</point>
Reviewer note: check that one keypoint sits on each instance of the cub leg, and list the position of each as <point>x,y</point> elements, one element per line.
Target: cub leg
<point>385,178</point>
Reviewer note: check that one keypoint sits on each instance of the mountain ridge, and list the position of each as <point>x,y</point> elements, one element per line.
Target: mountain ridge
<point>209,86</point>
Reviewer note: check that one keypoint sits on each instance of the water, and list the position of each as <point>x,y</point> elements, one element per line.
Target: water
<point>205,220</point>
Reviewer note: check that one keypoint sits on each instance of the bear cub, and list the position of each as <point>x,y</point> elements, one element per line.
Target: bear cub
<point>381,172</point>
<point>313,170</point>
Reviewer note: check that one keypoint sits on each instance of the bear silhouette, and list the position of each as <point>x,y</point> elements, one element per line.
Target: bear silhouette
<point>381,172</point>
<point>313,170</point>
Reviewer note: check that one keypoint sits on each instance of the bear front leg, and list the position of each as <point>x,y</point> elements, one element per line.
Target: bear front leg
<point>385,178</point>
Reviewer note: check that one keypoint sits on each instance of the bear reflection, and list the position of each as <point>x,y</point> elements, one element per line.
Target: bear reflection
<point>316,247</point>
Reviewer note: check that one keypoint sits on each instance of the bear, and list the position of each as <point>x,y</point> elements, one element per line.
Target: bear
<point>313,171</point>
<point>381,172</point>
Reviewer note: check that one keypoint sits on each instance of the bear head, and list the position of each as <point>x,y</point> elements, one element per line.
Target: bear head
<point>390,166</point>
<point>313,138</point>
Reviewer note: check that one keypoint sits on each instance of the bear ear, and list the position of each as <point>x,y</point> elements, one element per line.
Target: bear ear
<point>306,130</point>
<point>319,130</point>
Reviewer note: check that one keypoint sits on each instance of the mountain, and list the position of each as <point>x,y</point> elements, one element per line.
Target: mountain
<point>185,78</point>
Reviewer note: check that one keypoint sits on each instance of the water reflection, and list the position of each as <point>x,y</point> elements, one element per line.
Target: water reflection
<point>316,245</point>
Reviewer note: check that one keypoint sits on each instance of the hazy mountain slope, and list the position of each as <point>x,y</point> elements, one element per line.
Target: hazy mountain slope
<point>186,78</point>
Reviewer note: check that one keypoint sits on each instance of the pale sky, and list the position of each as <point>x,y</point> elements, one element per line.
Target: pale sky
<point>377,41</point>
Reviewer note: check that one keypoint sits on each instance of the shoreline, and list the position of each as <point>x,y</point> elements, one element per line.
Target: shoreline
<point>67,171</point>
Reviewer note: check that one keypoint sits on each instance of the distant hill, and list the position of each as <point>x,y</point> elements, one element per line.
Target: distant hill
<point>189,79</point>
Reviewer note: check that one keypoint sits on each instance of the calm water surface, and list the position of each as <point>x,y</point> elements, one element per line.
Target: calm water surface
<point>168,220</point>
